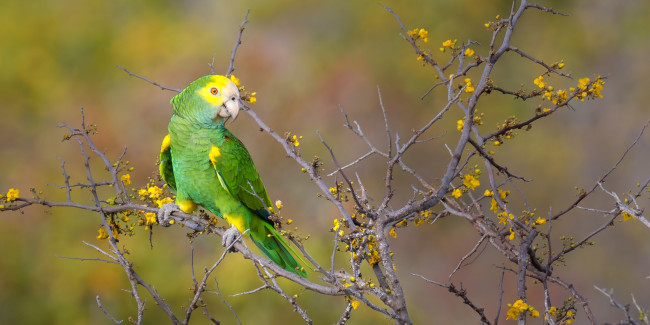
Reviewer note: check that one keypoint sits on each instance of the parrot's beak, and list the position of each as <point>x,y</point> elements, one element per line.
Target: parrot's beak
<point>233,107</point>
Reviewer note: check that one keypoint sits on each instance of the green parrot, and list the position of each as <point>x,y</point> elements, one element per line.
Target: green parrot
<point>207,165</point>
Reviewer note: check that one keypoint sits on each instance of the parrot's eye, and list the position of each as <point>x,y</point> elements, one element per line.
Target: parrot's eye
<point>214,91</point>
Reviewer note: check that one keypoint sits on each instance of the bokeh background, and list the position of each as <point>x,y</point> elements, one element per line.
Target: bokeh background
<point>304,59</point>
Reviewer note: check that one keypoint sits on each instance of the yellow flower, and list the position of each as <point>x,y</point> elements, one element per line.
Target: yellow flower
<point>488,193</point>
<point>413,32</point>
<point>561,96</point>
<point>540,221</point>
<point>12,194</point>
<point>423,34</point>
<point>420,57</point>
<point>102,234</point>
<point>460,124</point>
<point>151,218</point>
<point>494,205</point>
<point>512,313</point>
<point>392,233</point>
<point>163,201</point>
<point>569,321</point>
<point>469,88</point>
<point>502,217</point>
<point>142,192</point>
<point>552,311</point>
<point>520,304</point>
<point>341,233</point>
<point>547,95</point>
<point>582,83</point>
<point>235,80</point>
<point>597,87</point>
<point>469,52</point>
<point>154,191</point>
<point>471,182</point>
<point>336,225</point>
<point>289,221</point>
<point>448,43</point>
<point>504,194</point>
<point>354,304</point>
<point>126,179</point>
<point>294,140</point>
<point>534,313</point>
<point>626,216</point>
<point>539,82</point>
<point>278,204</point>
<point>251,98</point>
<point>515,308</point>
<point>512,235</point>
<point>456,193</point>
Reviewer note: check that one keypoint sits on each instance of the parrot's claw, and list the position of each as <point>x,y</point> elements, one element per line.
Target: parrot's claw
<point>165,214</point>
<point>230,236</point>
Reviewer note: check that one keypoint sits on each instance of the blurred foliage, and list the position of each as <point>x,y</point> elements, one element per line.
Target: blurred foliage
<point>304,59</point>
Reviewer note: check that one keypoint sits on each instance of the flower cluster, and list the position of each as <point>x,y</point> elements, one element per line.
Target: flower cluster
<point>126,179</point>
<point>12,194</point>
<point>588,89</point>
<point>469,88</point>
<point>337,227</point>
<point>339,192</point>
<point>520,307</point>
<point>449,44</point>
<point>293,139</point>
<point>245,95</point>
<point>470,182</point>
<point>509,134</point>
<point>419,33</point>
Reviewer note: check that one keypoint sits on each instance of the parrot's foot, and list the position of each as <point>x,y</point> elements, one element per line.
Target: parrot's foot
<point>230,236</point>
<point>165,214</point>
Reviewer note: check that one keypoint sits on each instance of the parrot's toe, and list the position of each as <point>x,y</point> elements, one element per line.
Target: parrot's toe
<point>230,236</point>
<point>165,214</point>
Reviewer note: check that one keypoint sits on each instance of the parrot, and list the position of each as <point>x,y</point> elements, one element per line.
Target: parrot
<point>205,164</point>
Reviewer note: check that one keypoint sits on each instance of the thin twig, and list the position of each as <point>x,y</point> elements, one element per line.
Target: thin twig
<point>231,68</point>
<point>148,80</point>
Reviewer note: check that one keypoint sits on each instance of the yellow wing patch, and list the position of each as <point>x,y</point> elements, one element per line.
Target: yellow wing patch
<point>214,154</point>
<point>218,82</point>
<point>166,143</point>
<point>237,222</point>
<point>188,206</point>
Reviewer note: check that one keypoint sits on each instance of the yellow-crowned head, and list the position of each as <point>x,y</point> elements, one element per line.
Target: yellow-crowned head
<point>208,100</point>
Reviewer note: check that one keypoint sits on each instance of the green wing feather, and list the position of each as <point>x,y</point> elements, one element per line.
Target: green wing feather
<point>241,177</point>
<point>243,182</point>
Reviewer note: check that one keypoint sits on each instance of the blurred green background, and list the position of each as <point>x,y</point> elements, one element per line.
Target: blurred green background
<point>304,59</point>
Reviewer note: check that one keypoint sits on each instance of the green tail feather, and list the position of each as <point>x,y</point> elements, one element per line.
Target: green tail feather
<point>278,250</point>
